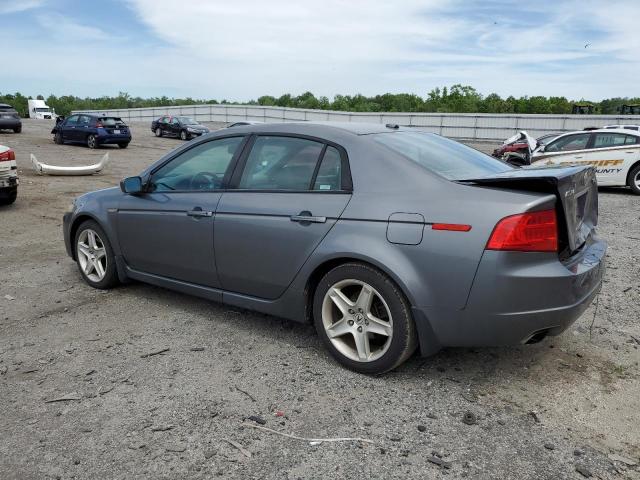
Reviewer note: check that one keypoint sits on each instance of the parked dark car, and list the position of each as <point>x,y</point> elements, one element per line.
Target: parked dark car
<point>92,130</point>
<point>182,127</point>
<point>386,238</point>
<point>9,118</point>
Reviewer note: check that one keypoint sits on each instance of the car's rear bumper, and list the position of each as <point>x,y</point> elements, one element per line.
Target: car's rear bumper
<point>113,139</point>
<point>516,298</point>
<point>10,123</point>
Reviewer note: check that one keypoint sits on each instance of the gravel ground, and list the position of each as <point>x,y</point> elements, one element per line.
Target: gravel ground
<point>83,393</point>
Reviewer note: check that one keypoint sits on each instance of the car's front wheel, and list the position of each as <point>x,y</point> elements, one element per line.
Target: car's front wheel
<point>634,179</point>
<point>158,132</point>
<point>184,135</point>
<point>58,138</point>
<point>17,130</point>
<point>92,142</point>
<point>95,256</point>
<point>364,319</point>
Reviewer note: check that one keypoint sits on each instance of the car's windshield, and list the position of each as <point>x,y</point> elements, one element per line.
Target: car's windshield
<point>447,158</point>
<point>112,122</point>
<point>187,121</point>
<point>43,110</point>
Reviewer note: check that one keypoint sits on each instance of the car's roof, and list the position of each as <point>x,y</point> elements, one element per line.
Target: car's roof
<point>5,105</point>
<point>320,128</point>
<point>604,130</point>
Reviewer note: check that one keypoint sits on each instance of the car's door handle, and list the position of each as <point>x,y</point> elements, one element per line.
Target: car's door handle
<point>199,213</point>
<point>306,216</point>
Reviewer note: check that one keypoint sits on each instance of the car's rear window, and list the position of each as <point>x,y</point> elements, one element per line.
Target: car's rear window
<point>112,122</point>
<point>447,158</point>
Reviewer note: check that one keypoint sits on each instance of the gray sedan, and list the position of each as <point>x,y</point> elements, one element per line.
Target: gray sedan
<point>386,239</point>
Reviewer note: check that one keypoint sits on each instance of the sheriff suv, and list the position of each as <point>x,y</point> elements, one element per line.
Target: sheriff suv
<point>614,153</point>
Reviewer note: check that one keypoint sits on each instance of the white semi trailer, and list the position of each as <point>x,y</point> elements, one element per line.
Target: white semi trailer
<point>39,109</point>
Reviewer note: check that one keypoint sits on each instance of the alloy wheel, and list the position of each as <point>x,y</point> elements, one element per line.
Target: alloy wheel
<point>92,255</point>
<point>91,141</point>
<point>357,320</point>
<point>636,180</point>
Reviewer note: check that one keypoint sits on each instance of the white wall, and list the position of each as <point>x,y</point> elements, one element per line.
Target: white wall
<point>478,126</point>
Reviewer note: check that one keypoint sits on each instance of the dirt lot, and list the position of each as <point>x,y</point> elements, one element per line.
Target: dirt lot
<point>568,407</point>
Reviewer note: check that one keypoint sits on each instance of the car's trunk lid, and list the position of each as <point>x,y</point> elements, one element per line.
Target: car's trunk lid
<point>575,187</point>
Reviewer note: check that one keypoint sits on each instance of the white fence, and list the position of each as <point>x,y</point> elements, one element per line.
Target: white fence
<point>475,126</point>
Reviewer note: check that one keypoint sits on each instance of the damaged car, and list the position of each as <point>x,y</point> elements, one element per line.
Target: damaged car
<point>517,149</point>
<point>387,239</point>
<point>614,153</point>
<point>92,130</point>
<point>8,176</point>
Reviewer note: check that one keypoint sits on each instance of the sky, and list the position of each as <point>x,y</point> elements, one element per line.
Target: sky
<point>239,50</point>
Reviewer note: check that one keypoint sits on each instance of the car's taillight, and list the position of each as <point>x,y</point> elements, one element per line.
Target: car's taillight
<point>526,232</point>
<point>7,156</point>
<point>99,125</point>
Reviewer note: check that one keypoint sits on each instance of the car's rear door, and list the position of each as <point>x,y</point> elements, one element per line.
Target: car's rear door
<point>286,194</point>
<point>612,154</point>
<point>168,231</point>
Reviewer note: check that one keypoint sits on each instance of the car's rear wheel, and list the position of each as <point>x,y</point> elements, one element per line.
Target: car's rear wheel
<point>123,145</point>
<point>158,132</point>
<point>92,142</point>
<point>184,135</point>
<point>634,179</point>
<point>95,256</point>
<point>17,130</point>
<point>58,138</point>
<point>364,319</point>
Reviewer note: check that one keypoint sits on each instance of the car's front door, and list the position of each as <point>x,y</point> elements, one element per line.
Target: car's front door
<point>287,193</point>
<point>69,128</point>
<point>168,231</point>
<point>566,149</point>
<point>175,126</point>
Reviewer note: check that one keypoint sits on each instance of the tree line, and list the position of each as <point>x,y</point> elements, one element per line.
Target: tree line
<point>455,99</point>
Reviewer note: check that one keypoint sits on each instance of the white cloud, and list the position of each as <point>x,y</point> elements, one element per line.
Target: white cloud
<point>65,28</point>
<point>14,6</point>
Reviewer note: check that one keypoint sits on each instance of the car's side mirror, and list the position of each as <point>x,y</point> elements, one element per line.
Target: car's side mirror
<point>131,185</point>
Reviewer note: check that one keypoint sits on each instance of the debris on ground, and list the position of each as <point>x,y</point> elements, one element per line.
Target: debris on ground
<point>73,396</point>
<point>469,418</point>
<point>155,352</point>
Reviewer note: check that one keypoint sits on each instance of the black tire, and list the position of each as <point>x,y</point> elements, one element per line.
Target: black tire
<point>9,198</point>
<point>123,145</point>
<point>634,179</point>
<point>158,132</point>
<point>92,141</point>
<point>110,278</point>
<point>58,138</point>
<point>184,135</point>
<point>17,130</point>
<point>404,337</point>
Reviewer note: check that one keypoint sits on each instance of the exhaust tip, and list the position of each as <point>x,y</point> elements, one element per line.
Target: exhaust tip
<point>537,337</point>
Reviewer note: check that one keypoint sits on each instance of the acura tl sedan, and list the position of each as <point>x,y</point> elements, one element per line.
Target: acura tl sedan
<point>386,239</point>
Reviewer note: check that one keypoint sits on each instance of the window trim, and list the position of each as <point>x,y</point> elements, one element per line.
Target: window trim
<point>227,175</point>
<point>346,181</point>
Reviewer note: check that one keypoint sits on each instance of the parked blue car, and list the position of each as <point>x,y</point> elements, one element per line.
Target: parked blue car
<point>92,130</point>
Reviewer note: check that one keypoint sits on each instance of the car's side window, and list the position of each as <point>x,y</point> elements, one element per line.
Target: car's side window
<point>604,140</point>
<point>201,168</point>
<point>329,176</point>
<point>280,163</point>
<point>83,120</point>
<point>72,120</point>
<point>568,143</point>
<point>174,121</point>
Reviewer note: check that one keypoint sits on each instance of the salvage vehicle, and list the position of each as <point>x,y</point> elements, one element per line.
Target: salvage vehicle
<point>183,127</point>
<point>9,118</point>
<point>615,154</point>
<point>8,176</point>
<point>385,238</point>
<point>630,109</point>
<point>517,149</point>
<point>92,130</point>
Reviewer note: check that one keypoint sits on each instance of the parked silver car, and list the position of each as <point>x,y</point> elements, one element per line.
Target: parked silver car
<point>385,238</point>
